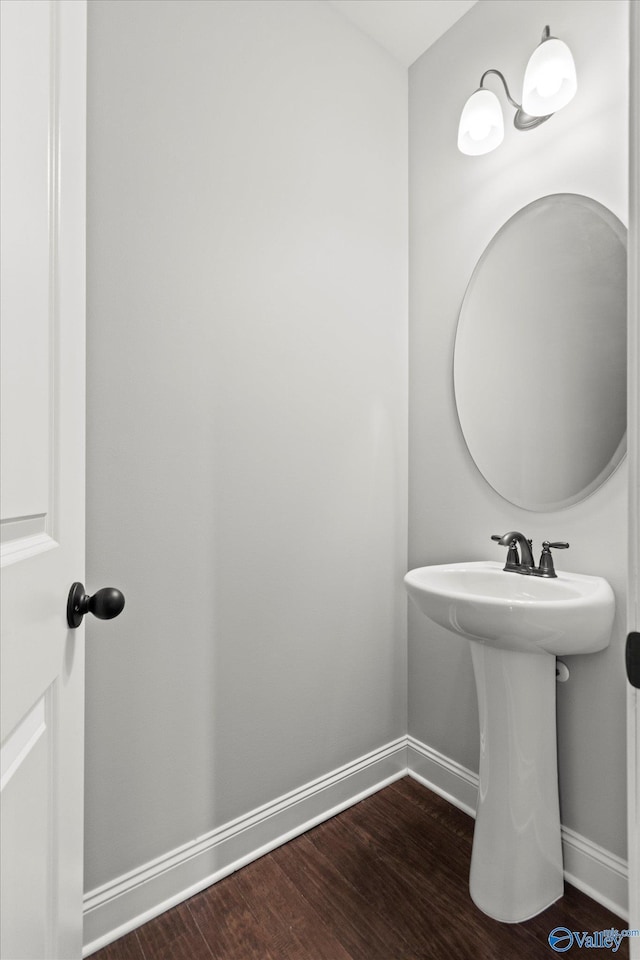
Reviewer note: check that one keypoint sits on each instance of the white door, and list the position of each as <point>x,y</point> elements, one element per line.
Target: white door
<point>633,617</point>
<point>43,90</point>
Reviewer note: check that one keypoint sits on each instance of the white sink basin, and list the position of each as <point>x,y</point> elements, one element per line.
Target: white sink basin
<point>517,626</point>
<point>572,613</point>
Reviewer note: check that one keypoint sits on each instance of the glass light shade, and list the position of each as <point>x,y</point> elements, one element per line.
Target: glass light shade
<point>481,126</point>
<point>550,79</point>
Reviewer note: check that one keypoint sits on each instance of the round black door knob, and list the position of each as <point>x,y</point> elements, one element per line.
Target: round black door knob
<point>105,604</point>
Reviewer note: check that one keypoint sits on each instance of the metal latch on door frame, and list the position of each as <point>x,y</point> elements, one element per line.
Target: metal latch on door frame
<point>632,658</point>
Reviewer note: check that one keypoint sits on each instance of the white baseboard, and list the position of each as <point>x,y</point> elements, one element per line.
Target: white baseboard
<point>444,776</point>
<point>601,875</point>
<point>589,867</point>
<point>125,903</point>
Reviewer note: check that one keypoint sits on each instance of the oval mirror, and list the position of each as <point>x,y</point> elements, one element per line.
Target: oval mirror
<point>540,353</point>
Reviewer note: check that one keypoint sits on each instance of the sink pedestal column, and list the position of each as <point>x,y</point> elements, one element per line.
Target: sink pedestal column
<point>516,864</point>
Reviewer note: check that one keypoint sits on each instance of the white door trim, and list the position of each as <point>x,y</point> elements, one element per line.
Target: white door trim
<point>633,434</point>
<point>42,529</point>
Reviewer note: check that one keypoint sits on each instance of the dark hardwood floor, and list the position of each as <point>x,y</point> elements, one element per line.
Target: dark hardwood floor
<point>386,879</point>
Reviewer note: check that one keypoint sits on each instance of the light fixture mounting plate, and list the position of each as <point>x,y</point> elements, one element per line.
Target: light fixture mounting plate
<point>524,121</point>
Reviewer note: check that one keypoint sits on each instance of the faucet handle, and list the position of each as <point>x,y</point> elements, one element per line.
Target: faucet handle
<point>496,537</point>
<point>546,568</point>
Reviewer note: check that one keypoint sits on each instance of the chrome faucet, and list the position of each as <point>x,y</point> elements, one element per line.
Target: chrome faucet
<point>523,562</point>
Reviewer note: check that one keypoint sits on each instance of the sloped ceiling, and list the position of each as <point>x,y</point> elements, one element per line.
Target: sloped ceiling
<point>405,28</point>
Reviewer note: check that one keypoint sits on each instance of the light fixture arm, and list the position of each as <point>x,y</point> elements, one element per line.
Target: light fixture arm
<point>504,83</point>
<point>521,120</point>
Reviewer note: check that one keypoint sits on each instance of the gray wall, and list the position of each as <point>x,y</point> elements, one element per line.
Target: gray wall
<point>247,401</point>
<point>457,205</point>
<point>247,393</point>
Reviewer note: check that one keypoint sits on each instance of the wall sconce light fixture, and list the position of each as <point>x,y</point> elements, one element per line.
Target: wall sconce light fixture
<point>549,84</point>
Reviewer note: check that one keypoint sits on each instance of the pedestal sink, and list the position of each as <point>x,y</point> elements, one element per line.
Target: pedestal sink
<point>517,626</point>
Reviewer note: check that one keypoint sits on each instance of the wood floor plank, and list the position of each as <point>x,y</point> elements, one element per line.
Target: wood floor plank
<point>357,926</point>
<point>389,893</point>
<point>173,934</point>
<point>227,924</point>
<point>421,841</point>
<point>126,948</point>
<point>289,922</point>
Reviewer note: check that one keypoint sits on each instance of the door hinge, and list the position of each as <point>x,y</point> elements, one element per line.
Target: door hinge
<point>632,657</point>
